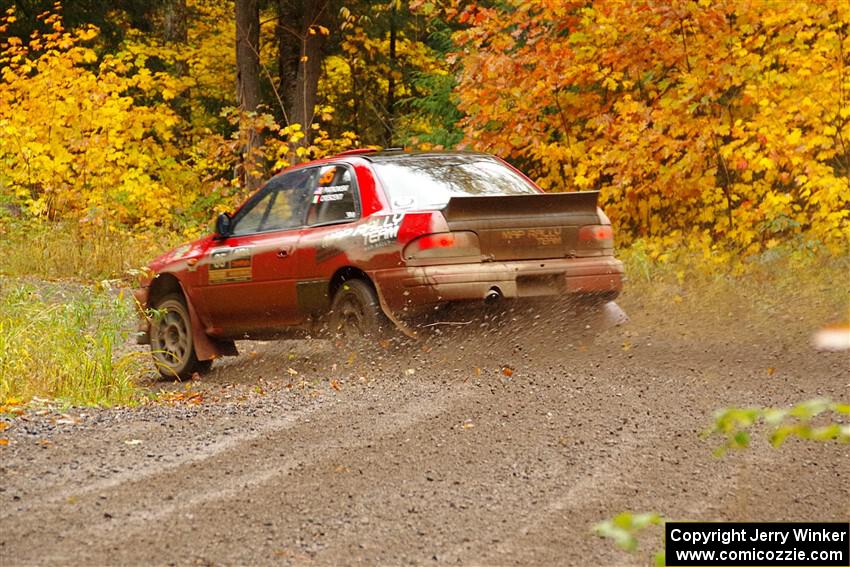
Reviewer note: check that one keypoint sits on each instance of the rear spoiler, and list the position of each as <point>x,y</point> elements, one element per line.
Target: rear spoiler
<point>473,208</point>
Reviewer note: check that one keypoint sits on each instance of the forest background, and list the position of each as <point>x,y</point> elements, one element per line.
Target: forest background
<point>718,130</point>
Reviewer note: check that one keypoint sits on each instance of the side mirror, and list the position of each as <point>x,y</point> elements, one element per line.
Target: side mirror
<point>222,225</point>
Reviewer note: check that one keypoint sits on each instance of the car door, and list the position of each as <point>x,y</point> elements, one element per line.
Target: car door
<point>248,284</point>
<point>331,222</point>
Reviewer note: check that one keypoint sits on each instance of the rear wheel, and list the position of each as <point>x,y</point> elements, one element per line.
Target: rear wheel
<point>356,312</point>
<point>171,339</point>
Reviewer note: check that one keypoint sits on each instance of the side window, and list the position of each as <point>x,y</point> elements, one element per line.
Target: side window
<point>251,216</point>
<point>334,196</point>
<point>281,204</point>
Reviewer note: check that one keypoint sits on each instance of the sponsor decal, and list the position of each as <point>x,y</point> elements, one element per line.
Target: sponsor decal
<point>375,233</point>
<point>541,236</point>
<point>230,265</point>
<point>331,193</point>
<point>334,189</point>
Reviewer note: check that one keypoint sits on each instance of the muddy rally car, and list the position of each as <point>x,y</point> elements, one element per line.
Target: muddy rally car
<point>358,243</point>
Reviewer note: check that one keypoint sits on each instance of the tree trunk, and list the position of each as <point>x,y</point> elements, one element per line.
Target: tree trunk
<point>175,31</point>
<point>247,54</point>
<point>175,21</point>
<point>288,51</point>
<point>391,78</point>
<point>248,82</point>
<point>313,13</point>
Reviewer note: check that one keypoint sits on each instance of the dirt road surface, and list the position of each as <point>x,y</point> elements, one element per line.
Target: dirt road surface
<point>301,453</point>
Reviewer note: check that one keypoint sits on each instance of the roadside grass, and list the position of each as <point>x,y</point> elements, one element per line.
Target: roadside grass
<point>66,344</point>
<point>53,251</point>
<point>792,289</point>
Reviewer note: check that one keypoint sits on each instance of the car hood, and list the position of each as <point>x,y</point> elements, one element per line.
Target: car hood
<point>177,257</point>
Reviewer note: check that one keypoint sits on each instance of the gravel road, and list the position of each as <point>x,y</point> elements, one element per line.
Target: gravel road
<point>472,448</point>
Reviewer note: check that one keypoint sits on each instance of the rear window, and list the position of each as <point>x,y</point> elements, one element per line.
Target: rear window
<point>429,182</point>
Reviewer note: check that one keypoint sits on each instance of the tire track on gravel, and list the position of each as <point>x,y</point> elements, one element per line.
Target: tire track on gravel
<point>158,468</point>
<point>222,486</point>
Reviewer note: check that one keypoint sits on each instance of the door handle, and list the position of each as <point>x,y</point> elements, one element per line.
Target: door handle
<point>284,252</point>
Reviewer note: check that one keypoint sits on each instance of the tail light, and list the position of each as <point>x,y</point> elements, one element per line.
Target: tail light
<point>595,240</point>
<point>414,225</point>
<point>596,233</point>
<point>443,248</point>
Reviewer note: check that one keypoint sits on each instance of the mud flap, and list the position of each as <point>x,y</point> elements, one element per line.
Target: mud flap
<point>206,347</point>
<point>407,331</point>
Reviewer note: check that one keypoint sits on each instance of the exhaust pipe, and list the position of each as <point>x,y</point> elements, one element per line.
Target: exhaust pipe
<point>492,296</point>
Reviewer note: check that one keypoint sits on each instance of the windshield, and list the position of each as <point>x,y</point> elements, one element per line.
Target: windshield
<point>428,182</point>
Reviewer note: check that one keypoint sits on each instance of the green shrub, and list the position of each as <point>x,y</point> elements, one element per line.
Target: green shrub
<point>65,343</point>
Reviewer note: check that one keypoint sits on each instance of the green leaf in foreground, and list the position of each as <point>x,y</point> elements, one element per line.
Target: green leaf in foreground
<point>624,527</point>
<point>818,419</point>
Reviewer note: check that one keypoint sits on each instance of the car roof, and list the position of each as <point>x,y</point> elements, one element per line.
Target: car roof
<point>397,155</point>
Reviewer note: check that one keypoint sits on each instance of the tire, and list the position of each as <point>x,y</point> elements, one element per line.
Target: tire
<point>356,313</point>
<point>172,346</point>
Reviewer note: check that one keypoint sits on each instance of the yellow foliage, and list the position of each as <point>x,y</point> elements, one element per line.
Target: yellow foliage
<point>78,142</point>
<point>99,139</point>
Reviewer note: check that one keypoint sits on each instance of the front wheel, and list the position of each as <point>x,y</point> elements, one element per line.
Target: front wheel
<point>171,339</point>
<point>356,312</point>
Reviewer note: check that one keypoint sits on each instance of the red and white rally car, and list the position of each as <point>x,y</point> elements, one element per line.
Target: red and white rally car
<point>365,237</point>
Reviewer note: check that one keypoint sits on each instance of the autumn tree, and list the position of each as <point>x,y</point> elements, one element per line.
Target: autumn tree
<point>712,121</point>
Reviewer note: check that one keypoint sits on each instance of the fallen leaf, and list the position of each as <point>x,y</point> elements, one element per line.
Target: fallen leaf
<point>477,371</point>
<point>468,424</point>
<point>4,442</point>
<point>507,371</point>
<point>65,419</point>
<point>3,425</point>
<point>771,370</point>
<point>410,372</point>
<point>335,385</point>
<point>292,371</point>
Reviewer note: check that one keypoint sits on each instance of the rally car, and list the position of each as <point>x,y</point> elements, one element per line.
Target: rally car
<point>364,240</point>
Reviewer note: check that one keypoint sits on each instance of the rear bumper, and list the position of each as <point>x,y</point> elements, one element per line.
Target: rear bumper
<point>409,289</point>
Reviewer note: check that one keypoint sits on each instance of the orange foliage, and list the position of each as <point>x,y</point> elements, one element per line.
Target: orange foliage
<point>710,121</point>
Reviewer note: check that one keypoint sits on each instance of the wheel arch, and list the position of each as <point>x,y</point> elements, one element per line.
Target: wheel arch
<point>162,285</point>
<point>206,347</point>
<point>347,273</point>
